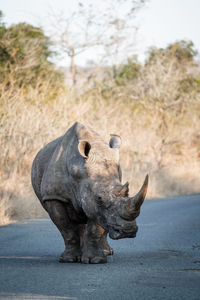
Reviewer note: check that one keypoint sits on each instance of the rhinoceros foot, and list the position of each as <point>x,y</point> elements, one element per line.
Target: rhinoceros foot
<point>67,257</point>
<point>93,260</point>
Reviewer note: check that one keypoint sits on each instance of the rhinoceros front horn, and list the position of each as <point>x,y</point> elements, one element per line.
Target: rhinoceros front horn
<point>130,208</point>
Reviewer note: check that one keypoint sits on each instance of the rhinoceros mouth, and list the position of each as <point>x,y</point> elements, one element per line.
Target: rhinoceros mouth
<point>116,234</point>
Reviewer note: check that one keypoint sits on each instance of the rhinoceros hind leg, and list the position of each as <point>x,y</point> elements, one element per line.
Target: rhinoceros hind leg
<point>69,231</point>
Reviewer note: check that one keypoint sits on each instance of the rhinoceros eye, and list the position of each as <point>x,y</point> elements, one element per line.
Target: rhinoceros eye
<point>99,200</point>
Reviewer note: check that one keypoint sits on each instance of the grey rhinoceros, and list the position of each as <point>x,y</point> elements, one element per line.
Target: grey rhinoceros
<point>77,178</point>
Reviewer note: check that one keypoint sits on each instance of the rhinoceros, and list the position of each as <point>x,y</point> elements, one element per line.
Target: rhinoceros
<point>77,178</point>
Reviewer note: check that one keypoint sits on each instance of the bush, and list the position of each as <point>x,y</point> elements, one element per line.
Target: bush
<point>128,70</point>
<point>182,52</point>
<point>190,85</point>
<point>24,57</point>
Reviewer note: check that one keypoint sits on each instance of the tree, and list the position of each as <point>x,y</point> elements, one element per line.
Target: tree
<point>182,51</point>
<point>106,32</point>
<point>24,56</point>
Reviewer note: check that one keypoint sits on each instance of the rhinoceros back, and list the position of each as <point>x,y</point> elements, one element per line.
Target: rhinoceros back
<point>40,163</point>
<point>50,170</point>
<point>52,167</point>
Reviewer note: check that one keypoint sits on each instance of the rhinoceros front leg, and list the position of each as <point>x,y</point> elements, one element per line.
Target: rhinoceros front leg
<point>104,243</point>
<point>95,247</point>
<point>69,231</point>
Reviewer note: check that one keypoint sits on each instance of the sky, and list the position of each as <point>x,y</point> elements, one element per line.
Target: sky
<point>159,23</point>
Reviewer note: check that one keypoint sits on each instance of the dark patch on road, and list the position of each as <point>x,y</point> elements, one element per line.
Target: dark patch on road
<point>196,247</point>
<point>191,270</point>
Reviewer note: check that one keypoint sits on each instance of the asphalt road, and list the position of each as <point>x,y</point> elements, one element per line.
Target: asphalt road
<point>163,262</point>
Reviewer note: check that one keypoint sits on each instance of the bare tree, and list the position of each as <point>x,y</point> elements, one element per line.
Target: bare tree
<point>108,29</point>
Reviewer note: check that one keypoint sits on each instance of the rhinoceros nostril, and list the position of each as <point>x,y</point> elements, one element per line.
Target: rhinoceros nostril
<point>114,233</point>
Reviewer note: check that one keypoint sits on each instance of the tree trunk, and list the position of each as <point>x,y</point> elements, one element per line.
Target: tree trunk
<point>73,68</point>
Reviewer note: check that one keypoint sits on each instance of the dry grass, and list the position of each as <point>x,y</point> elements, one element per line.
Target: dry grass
<point>160,136</point>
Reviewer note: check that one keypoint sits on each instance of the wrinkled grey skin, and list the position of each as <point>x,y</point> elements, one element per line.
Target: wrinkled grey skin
<point>77,179</point>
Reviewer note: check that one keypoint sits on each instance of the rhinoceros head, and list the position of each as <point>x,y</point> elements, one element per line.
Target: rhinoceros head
<point>103,198</point>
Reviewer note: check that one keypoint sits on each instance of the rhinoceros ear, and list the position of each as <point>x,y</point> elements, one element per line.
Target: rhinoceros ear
<point>115,141</point>
<point>84,148</point>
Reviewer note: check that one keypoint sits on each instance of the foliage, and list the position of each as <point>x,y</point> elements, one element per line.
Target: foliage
<point>24,57</point>
<point>128,70</point>
<point>181,51</point>
<point>190,85</point>
<point>180,56</point>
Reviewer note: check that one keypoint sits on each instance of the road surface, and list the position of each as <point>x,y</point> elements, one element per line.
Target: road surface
<point>163,262</point>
